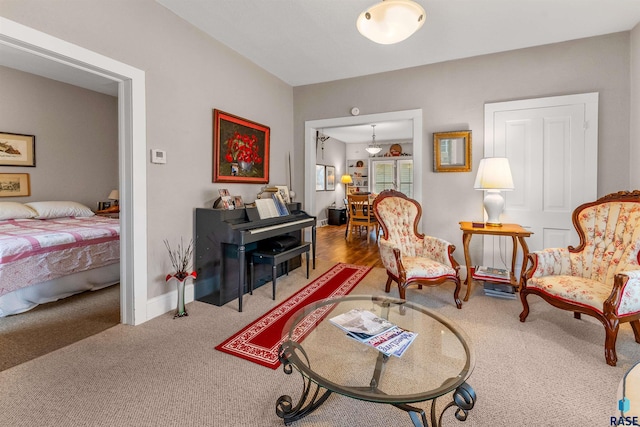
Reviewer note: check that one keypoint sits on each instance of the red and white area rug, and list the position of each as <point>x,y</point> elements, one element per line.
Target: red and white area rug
<point>258,342</point>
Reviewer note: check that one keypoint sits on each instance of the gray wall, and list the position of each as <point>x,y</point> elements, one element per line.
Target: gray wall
<point>76,134</point>
<point>452,96</point>
<point>188,74</point>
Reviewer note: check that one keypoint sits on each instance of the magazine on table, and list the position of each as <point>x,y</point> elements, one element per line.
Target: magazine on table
<point>492,273</point>
<point>361,322</point>
<point>379,333</point>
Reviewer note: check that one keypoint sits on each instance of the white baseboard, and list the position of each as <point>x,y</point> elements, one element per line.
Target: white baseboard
<point>157,306</point>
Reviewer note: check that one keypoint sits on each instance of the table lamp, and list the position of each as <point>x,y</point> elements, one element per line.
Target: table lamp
<point>494,176</point>
<point>115,196</point>
<point>346,180</point>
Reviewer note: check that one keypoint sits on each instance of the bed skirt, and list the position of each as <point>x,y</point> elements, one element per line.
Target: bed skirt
<point>25,299</point>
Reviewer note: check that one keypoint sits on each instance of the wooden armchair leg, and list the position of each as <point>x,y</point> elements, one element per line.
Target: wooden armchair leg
<point>525,305</point>
<point>635,325</point>
<point>456,294</point>
<point>611,334</point>
<point>402,291</point>
<point>387,287</point>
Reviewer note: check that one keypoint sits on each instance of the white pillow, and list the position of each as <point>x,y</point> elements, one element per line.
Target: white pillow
<point>15,210</point>
<point>59,209</point>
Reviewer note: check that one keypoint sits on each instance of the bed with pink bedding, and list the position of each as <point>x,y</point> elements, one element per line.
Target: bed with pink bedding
<point>45,259</point>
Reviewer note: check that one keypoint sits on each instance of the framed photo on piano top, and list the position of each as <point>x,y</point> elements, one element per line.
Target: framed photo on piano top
<point>240,149</point>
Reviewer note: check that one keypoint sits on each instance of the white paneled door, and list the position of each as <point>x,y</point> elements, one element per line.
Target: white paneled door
<point>551,144</point>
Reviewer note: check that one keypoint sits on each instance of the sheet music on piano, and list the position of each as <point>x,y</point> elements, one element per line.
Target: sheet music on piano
<point>266,208</point>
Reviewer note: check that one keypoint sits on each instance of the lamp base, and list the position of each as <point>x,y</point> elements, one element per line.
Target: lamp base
<point>493,204</point>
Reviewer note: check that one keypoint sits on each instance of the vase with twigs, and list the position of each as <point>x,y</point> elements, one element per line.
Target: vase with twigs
<point>181,261</point>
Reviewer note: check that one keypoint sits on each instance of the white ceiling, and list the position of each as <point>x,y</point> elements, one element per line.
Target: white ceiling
<point>305,42</point>
<point>311,41</point>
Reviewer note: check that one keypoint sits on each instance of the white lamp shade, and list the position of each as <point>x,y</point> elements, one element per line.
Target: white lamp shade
<point>391,21</point>
<point>494,173</point>
<point>373,149</point>
<point>114,195</point>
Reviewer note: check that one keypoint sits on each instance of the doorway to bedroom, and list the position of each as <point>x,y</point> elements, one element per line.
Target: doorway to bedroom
<point>71,60</point>
<point>54,54</point>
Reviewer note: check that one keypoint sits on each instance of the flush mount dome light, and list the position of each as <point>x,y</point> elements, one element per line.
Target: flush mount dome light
<point>391,21</point>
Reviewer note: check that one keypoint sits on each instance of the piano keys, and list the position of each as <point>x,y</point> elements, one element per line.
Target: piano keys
<point>224,239</point>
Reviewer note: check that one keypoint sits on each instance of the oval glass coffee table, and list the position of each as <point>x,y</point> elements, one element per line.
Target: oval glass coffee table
<point>436,363</point>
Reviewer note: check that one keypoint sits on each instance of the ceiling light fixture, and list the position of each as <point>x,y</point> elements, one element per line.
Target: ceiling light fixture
<point>391,21</point>
<point>373,148</point>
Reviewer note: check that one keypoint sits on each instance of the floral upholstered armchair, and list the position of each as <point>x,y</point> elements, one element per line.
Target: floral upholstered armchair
<point>411,258</point>
<point>601,276</point>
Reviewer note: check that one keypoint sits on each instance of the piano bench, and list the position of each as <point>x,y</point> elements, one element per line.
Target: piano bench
<point>275,258</point>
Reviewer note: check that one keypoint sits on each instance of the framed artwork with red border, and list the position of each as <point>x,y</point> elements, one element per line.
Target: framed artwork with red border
<point>240,149</point>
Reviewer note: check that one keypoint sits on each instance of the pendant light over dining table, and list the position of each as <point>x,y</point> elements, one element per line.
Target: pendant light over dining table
<point>373,148</point>
<point>391,21</point>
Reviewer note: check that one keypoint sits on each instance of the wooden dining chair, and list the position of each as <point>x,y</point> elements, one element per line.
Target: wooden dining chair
<point>361,215</point>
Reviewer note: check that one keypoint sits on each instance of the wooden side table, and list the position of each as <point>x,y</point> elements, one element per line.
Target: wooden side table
<point>517,234</point>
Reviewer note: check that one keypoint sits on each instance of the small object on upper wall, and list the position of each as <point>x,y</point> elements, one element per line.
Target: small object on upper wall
<point>158,156</point>
<point>395,150</point>
<point>355,111</point>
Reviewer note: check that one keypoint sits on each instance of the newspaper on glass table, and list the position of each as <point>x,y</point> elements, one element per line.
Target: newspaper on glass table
<point>379,333</point>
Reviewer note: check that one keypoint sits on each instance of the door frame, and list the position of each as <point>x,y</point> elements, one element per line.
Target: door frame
<point>311,126</point>
<point>131,152</point>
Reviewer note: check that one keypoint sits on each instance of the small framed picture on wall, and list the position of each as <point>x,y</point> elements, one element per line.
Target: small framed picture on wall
<point>17,149</point>
<point>14,185</point>
<point>320,177</point>
<point>330,178</point>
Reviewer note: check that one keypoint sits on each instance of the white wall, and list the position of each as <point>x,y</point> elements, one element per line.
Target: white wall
<point>76,133</point>
<point>452,97</point>
<point>187,75</point>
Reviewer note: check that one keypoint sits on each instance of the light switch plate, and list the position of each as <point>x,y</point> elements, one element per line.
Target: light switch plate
<point>158,156</point>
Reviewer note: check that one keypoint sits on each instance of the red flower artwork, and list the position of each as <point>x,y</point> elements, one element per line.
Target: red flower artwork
<point>242,148</point>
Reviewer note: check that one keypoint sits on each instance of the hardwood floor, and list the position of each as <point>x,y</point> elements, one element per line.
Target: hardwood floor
<point>333,246</point>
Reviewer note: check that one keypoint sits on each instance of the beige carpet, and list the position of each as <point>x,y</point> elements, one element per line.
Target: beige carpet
<point>54,325</point>
<point>549,371</point>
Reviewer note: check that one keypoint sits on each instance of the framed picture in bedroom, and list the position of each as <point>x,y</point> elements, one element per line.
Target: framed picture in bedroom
<point>240,149</point>
<point>14,185</point>
<point>17,149</point>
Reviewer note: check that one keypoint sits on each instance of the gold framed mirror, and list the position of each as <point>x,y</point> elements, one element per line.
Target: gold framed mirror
<point>452,151</point>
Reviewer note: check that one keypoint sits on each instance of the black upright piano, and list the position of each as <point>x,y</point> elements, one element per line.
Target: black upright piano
<point>224,239</point>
